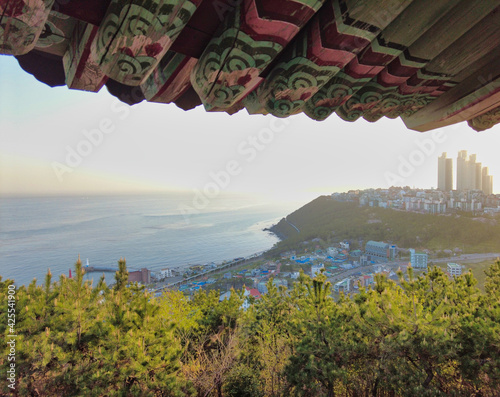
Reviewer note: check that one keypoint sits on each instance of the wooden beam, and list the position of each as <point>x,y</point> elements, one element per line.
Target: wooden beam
<point>21,24</point>
<point>416,86</point>
<point>476,43</point>
<point>468,100</point>
<point>82,71</point>
<point>486,120</point>
<point>136,34</point>
<point>170,79</point>
<point>328,43</point>
<point>381,97</point>
<point>202,26</point>
<point>251,37</point>
<point>89,11</point>
<point>56,34</point>
<point>45,67</point>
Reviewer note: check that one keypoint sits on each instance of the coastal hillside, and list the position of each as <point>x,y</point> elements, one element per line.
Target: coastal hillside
<point>333,221</point>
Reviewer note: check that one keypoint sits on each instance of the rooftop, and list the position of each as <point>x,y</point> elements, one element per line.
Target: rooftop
<point>380,244</point>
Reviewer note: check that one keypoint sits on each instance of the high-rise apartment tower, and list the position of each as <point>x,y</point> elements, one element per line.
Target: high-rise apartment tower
<point>445,173</point>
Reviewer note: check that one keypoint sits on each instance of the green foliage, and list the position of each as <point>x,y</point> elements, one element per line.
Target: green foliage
<point>492,283</point>
<point>78,340</point>
<point>428,336</point>
<point>432,336</point>
<point>241,382</point>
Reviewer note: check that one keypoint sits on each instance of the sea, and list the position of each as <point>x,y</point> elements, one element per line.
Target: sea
<point>155,231</point>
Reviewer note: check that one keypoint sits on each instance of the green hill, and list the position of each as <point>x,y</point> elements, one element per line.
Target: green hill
<point>332,221</point>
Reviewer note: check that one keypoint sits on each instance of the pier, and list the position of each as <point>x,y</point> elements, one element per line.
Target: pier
<point>92,269</point>
<point>101,269</point>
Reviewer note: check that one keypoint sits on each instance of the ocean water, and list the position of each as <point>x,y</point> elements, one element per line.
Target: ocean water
<point>148,230</point>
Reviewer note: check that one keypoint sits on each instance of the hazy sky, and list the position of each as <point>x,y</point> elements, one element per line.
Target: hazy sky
<point>60,141</point>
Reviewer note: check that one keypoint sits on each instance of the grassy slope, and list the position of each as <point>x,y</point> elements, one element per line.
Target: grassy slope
<point>477,270</point>
<point>333,221</point>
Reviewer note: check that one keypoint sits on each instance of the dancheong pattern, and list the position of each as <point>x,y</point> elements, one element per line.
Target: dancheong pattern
<point>136,34</point>
<point>250,39</point>
<point>21,23</point>
<point>430,62</point>
<point>330,41</point>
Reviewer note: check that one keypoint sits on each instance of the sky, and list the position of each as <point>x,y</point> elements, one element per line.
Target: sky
<point>56,141</point>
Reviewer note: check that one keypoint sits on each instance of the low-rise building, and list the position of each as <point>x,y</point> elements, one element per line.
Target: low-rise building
<point>454,269</point>
<point>368,279</point>
<point>342,286</point>
<point>141,276</point>
<point>332,251</point>
<point>262,287</point>
<point>418,260</point>
<point>280,282</point>
<point>345,245</point>
<point>380,250</point>
<point>249,292</point>
<point>377,268</point>
<point>225,296</point>
<point>166,273</point>
<point>316,269</point>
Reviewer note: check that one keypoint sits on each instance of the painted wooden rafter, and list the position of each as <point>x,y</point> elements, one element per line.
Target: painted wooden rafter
<point>136,34</point>
<point>250,39</point>
<point>170,79</point>
<point>21,23</point>
<point>432,63</point>
<point>81,68</point>
<point>329,42</point>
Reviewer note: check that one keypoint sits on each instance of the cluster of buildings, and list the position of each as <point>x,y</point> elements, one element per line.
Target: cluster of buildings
<point>335,260</point>
<point>378,254</point>
<point>471,175</point>
<point>259,277</point>
<point>377,257</point>
<point>248,294</point>
<point>364,279</point>
<point>357,280</point>
<point>473,192</point>
<point>432,201</point>
<point>331,261</point>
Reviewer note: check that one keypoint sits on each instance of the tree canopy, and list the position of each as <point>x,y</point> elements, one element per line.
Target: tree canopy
<point>430,335</point>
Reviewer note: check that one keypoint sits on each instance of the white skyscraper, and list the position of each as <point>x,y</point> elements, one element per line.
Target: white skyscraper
<point>445,173</point>
<point>462,170</point>
<point>471,175</point>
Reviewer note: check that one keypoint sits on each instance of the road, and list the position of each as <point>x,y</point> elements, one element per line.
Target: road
<point>472,258</point>
<point>468,258</point>
<point>232,265</point>
<point>292,225</point>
